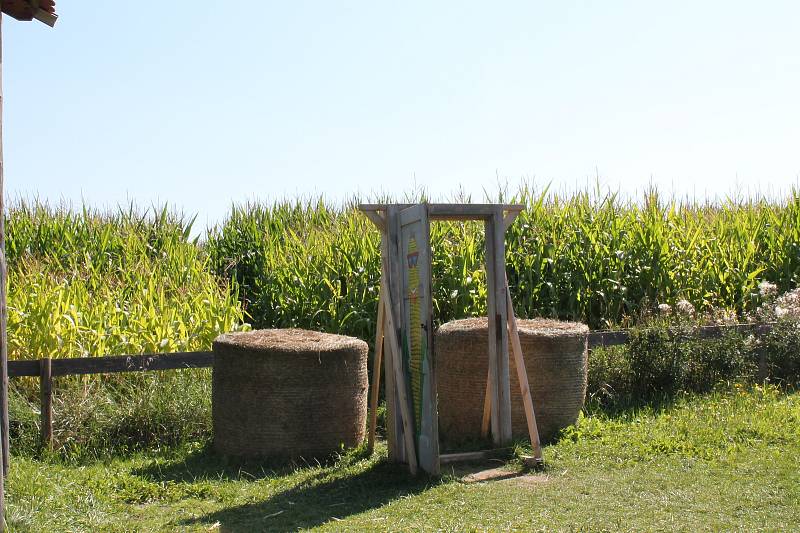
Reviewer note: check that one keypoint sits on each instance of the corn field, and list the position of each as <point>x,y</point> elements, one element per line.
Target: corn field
<point>588,257</point>
<point>88,283</point>
<point>84,282</point>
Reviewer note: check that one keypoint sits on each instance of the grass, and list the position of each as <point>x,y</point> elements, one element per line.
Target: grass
<point>723,461</point>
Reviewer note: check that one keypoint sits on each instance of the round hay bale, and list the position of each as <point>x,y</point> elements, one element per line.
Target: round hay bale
<point>288,393</point>
<point>555,356</point>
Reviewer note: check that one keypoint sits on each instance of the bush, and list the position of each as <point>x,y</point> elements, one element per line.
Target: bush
<point>663,359</point>
<point>778,352</point>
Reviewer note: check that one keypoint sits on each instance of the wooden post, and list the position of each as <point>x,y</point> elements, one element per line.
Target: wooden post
<point>494,415</point>
<point>394,307</point>
<point>392,422</point>
<point>46,394</point>
<point>3,305</point>
<point>503,382</point>
<point>498,336</point>
<point>376,376</point>
<point>3,315</point>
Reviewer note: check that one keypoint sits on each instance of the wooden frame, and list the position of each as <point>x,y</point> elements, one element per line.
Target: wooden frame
<point>396,299</point>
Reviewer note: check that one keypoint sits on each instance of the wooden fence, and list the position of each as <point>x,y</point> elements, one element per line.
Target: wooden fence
<point>47,369</point>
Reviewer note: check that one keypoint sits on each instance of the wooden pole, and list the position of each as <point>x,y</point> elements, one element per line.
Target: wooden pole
<point>498,334</point>
<point>491,305</point>
<point>503,382</point>
<point>46,394</point>
<point>3,316</point>
<point>376,376</point>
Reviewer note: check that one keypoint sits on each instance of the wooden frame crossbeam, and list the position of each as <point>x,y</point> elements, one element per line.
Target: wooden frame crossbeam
<point>449,211</point>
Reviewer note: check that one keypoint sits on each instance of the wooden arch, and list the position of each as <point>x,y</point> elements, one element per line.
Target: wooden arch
<point>405,332</point>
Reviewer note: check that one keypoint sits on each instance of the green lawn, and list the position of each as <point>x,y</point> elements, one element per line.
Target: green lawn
<point>729,460</point>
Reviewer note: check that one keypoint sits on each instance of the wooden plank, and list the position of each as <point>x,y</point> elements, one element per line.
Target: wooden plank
<point>712,332</point>
<point>376,376</point>
<point>400,385</point>
<point>382,207</point>
<point>178,360</point>
<point>522,376</point>
<point>480,455</point>
<point>391,275</point>
<point>377,219</point>
<point>451,211</point>
<point>23,368</point>
<point>48,18</point>
<point>600,339</point>
<point>487,407</point>
<point>446,211</point>
<point>509,219</point>
<point>503,382</point>
<point>131,363</point>
<point>46,404</point>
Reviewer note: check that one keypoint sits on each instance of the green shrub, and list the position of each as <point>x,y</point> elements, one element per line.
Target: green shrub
<point>778,352</point>
<point>665,358</point>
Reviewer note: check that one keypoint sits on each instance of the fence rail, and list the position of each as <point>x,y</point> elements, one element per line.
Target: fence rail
<point>46,369</point>
<point>113,363</point>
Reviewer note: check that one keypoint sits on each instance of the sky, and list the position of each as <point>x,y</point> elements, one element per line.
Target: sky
<point>195,107</point>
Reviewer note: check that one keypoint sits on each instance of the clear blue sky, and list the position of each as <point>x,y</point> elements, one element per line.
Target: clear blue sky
<point>182,104</point>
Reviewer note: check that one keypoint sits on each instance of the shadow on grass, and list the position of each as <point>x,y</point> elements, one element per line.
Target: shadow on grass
<point>208,465</point>
<point>327,496</point>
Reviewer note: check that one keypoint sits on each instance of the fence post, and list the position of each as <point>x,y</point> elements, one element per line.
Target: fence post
<point>46,389</point>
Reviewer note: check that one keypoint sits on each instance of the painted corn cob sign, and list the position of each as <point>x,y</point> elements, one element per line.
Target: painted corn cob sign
<point>416,332</point>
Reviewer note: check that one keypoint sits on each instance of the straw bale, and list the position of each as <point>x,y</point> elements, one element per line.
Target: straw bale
<point>555,354</point>
<point>288,393</point>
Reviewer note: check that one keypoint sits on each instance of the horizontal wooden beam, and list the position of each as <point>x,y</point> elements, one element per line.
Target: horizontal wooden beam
<point>110,364</point>
<point>452,211</point>
<point>481,455</point>
<point>600,339</point>
<point>18,369</point>
<point>114,364</point>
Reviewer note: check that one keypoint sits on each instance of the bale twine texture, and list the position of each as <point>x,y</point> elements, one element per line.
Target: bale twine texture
<point>555,355</point>
<point>288,393</point>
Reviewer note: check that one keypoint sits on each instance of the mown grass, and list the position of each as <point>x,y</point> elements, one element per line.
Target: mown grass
<point>724,461</point>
